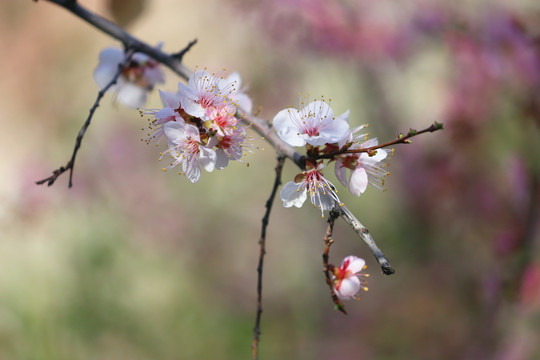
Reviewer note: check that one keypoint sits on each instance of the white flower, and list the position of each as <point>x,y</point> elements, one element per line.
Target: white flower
<point>186,148</point>
<point>138,77</point>
<point>314,124</point>
<point>170,112</point>
<point>321,191</point>
<point>347,279</point>
<point>365,168</point>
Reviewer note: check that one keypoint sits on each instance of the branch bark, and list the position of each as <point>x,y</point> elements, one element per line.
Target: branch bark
<point>71,163</point>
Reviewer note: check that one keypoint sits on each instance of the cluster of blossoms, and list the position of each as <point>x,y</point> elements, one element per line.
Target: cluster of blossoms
<point>327,137</point>
<point>200,123</point>
<point>138,77</point>
<point>330,138</point>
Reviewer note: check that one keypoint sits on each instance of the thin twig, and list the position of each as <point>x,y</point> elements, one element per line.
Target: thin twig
<point>180,55</point>
<point>262,252</point>
<point>401,139</point>
<point>71,163</point>
<point>364,234</point>
<point>327,268</point>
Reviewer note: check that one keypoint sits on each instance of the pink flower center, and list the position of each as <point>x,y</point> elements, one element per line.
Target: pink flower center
<point>311,130</point>
<point>341,273</point>
<point>191,146</point>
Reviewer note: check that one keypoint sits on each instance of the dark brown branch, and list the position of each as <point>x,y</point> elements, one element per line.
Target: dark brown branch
<point>71,163</point>
<point>262,252</point>
<point>364,234</point>
<point>328,268</point>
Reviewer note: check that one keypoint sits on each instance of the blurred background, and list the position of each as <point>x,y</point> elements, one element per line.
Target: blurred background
<point>135,263</point>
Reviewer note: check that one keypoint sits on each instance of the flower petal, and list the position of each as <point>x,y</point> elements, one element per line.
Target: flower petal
<point>341,172</point>
<point>131,95</point>
<point>358,181</point>
<point>104,73</point>
<point>292,195</point>
<point>168,99</point>
<point>348,288</point>
<point>207,158</point>
<point>175,132</point>
<point>356,264</point>
<point>111,55</point>
<point>285,127</point>
<point>193,172</point>
<point>335,130</point>
<point>324,201</point>
<point>222,159</point>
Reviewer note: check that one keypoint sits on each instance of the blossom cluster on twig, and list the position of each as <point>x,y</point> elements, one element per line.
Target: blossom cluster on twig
<point>205,126</point>
<point>201,124</point>
<point>315,127</point>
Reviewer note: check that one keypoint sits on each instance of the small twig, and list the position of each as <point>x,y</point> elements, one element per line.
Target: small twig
<point>262,252</point>
<point>327,268</point>
<point>364,234</point>
<point>180,55</point>
<point>71,163</point>
<point>401,139</point>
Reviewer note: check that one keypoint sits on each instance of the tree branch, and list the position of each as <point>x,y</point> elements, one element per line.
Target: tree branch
<point>327,268</point>
<point>401,139</point>
<point>364,234</point>
<point>180,55</point>
<point>71,163</point>
<point>262,252</point>
<point>130,42</point>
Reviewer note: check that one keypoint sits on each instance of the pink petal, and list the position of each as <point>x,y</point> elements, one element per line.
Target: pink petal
<point>358,182</point>
<point>348,288</point>
<point>356,264</point>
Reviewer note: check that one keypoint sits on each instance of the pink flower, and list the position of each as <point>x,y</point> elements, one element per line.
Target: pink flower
<point>221,118</point>
<point>314,124</point>
<point>322,192</point>
<point>230,147</point>
<point>202,93</point>
<point>186,148</point>
<point>347,278</point>
<point>138,77</point>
